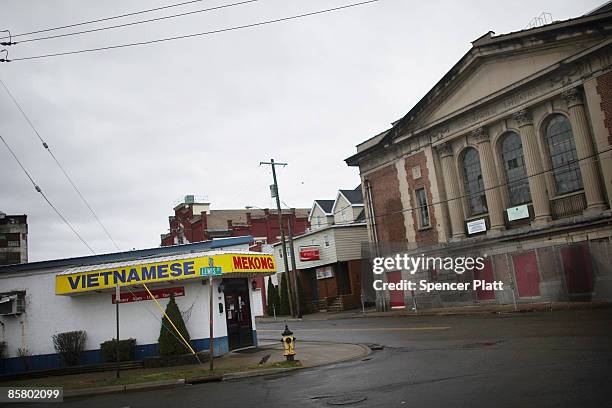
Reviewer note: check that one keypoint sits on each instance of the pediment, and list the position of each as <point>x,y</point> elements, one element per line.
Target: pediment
<point>491,74</point>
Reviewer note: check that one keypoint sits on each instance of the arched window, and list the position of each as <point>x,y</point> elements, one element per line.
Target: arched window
<point>517,182</point>
<point>562,150</point>
<point>474,185</point>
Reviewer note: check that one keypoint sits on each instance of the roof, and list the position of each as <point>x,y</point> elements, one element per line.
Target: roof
<point>485,46</point>
<point>325,205</point>
<point>128,255</point>
<point>218,219</point>
<point>361,217</point>
<point>355,197</point>
<point>604,8</point>
<point>326,228</point>
<point>113,265</point>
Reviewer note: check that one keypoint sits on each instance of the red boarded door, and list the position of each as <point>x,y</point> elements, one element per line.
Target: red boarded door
<point>397,296</point>
<point>527,275</point>
<point>578,269</point>
<point>485,274</point>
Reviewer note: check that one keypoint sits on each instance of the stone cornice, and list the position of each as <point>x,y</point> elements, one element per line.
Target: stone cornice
<point>480,135</point>
<point>523,117</point>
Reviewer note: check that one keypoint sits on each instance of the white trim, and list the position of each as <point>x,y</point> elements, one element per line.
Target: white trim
<point>347,200</point>
<point>314,203</point>
<point>318,230</point>
<point>140,261</point>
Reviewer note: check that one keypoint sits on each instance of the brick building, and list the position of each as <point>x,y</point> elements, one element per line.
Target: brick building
<point>195,221</point>
<point>506,157</point>
<point>13,239</point>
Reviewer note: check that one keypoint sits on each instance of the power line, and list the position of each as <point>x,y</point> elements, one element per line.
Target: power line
<point>38,189</point>
<point>105,18</point>
<point>180,37</point>
<point>468,195</point>
<point>93,30</point>
<point>72,183</point>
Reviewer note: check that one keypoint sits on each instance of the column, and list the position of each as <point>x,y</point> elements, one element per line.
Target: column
<point>489,176</point>
<point>533,163</point>
<point>585,151</point>
<point>455,210</point>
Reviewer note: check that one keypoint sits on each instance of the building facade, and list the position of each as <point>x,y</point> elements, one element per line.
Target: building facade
<point>195,221</point>
<point>40,299</point>
<point>329,256</point>
<point>508,156</point>
<point>13,239</point>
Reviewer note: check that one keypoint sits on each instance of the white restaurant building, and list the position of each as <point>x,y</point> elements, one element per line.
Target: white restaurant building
<point>40,299</point>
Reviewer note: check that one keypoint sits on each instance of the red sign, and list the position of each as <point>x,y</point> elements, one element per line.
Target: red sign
<point>309,253</point>
<point>144,295</point>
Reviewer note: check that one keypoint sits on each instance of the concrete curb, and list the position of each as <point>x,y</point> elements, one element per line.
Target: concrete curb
<point>113,389</point>
<point>260,373</point>
<point>257,373</point>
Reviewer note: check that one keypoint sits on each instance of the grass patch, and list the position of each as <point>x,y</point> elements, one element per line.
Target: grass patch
<point>138,376</point>
<point>280,364</point>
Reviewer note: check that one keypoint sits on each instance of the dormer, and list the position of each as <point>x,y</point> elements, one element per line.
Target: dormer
<point>348,206</point>
<point>321,214</point>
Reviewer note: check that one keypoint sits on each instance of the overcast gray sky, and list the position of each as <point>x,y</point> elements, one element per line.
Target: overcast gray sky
<point>139,127</point>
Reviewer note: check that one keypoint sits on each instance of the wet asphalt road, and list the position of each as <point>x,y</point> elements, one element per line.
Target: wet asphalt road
<point>544,359</point>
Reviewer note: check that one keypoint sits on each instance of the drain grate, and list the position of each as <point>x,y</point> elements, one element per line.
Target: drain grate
<point>347,400</point>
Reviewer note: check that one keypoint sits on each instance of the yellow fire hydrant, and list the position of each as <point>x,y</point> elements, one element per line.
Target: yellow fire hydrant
<point>288,344</point>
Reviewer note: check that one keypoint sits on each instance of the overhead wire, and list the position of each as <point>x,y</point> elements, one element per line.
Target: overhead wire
<point>57,162</point>
<point>93,30</point>
<point>39,190</point>
<point>99,20</point>
<point>204,33</point>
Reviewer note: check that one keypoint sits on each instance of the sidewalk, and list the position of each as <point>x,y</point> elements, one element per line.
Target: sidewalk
<point>237,364</point>
<point>444,311</point>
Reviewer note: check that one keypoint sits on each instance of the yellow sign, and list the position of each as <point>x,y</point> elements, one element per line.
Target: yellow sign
<point>179,269</point>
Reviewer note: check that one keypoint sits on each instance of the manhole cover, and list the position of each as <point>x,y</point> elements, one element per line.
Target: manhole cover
<point>347,400</point>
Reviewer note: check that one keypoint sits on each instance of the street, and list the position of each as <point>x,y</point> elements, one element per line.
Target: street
<point>529,359</point>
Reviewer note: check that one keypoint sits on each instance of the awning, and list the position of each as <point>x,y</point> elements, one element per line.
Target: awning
<point>191,266</point>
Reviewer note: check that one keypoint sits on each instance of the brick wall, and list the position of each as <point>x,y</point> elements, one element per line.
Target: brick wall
<point>265,226</point>
<point>387,208</point>
<point>604,88</point>
<point>423,236</point>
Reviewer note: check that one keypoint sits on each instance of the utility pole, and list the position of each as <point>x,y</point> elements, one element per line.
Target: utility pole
<point>211,337</point>
<point>117,300</point>
<point>275,193</point>
<point>294,270</point>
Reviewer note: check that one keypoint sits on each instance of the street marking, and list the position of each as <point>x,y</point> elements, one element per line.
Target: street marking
<point>368,329</point>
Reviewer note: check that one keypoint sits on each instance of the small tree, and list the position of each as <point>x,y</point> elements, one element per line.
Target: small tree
<point>70,346</point>
<point>170,343</point>
<point>284,296</point>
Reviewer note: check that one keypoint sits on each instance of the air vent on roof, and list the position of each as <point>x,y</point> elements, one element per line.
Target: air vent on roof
<point>541,20</point>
